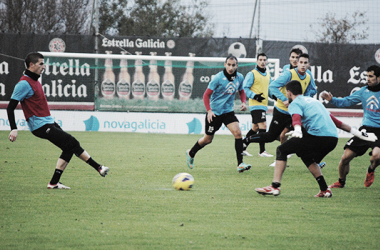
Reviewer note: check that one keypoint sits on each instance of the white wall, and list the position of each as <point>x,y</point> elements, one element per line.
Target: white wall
<point>167,123</point>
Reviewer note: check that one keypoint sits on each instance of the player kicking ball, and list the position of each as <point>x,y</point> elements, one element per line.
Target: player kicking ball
<point>34,105</point>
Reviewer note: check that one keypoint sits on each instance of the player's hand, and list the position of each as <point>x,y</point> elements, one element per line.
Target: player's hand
<point>286,103</point>
<point>243,107</point>
<point>297,132</point>
<point>210,115</point>
<point>13,135</point>
<point>258,97</point>
<point>362,134</point>
<point>326,95</point>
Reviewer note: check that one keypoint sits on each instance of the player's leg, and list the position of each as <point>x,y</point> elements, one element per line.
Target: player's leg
<point>235,130</point>
<point>278,123</point>
<point>84,156</point>
<point>283,137</point>
<point>375,161</point>
<point>252,131</point>
<point>210,129</point>
<point>49,132</point>
<point>262,129</point>
<point>311,152</point>
<point>354,147</point>
<point>344,168</point>
<point>69,146</point>
<point>324,191</point>
<point>282,151</point>
<point>232,123</point>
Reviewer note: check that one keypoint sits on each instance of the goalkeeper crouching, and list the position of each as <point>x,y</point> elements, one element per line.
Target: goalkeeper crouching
<point>313,137</point>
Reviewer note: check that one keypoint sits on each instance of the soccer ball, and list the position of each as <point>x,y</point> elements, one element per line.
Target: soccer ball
<point>237,49</point>
<point>183,181</point>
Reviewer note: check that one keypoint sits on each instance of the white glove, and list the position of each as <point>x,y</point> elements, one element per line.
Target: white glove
<point>362,134</point>
<point>297,132</point>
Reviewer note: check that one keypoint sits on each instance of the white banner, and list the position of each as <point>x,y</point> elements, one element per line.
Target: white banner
<point>166,123</point>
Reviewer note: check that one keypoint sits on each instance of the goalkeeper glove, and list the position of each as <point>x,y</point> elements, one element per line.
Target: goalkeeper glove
<point>362,134</point>
<point>297,132</point>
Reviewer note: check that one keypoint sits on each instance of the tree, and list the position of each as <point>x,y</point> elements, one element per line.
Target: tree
<point>111,13</point>
<point>43,16</point>
<point>343,30</point>
<point>154,18</point>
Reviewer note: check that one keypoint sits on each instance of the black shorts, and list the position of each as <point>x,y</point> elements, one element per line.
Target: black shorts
<point>258,116</point>
<point>309,148</point>
<point>66,142</point>
<point>277,125</point>
<point>360,146</point>
<point>217,122</point>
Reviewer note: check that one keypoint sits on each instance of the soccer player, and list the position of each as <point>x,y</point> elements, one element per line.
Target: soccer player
<point>293,60</point>
<point>219,102</point>
<point>369,96</point>
<point>256,85</point>
<point>29,92</point>
<point>313,127</point>
<point>281,117</point>
<point>294,55</point>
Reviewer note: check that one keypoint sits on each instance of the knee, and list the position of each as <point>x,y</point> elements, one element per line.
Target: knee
<point>345,160</point>
<point>280,155</point>
<point>205,140</point>
<point>237,135</point>
<point>74,147</point>
<point>271,137</point>
<point>375,158</point>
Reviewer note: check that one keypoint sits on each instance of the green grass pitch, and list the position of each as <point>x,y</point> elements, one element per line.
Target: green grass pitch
<point>136,207</point>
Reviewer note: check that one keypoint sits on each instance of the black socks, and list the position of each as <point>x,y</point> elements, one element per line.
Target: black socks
<point>56,176</point>
<point>322,183</point>
<point>276,184</point>
<point>195,149</point>
<point>93,164</point>
<point>239,150</point>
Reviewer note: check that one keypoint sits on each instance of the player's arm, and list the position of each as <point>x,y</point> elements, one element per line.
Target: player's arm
<point>274,87</point>
<point>206,101</point>
<point>297,124</point>
<point>247,83</point>
<point>342,102</point>
<point>243,99</point>
<point>22,91</point>
<point>362,134</point>
<point>311,89</point>
<point>11,118</point>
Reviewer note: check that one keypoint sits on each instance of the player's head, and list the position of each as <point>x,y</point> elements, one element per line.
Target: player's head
<point>293,87</point>
<point>35,62</point>
<point>231,57</point>
<point>261,60</point>
<point>231,64</point>
<point>32,57</point>
<point>303,63</point>
<point>293,57</point>
<point>373,75</point>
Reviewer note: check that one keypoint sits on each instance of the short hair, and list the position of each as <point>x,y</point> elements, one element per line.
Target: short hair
<point>296,50</point>
<point>261,54</point>
<point>231,57</point>
<point>304,55</point>
<point>294,86</point>
<point>32,57</point>
<point>375,69</point>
